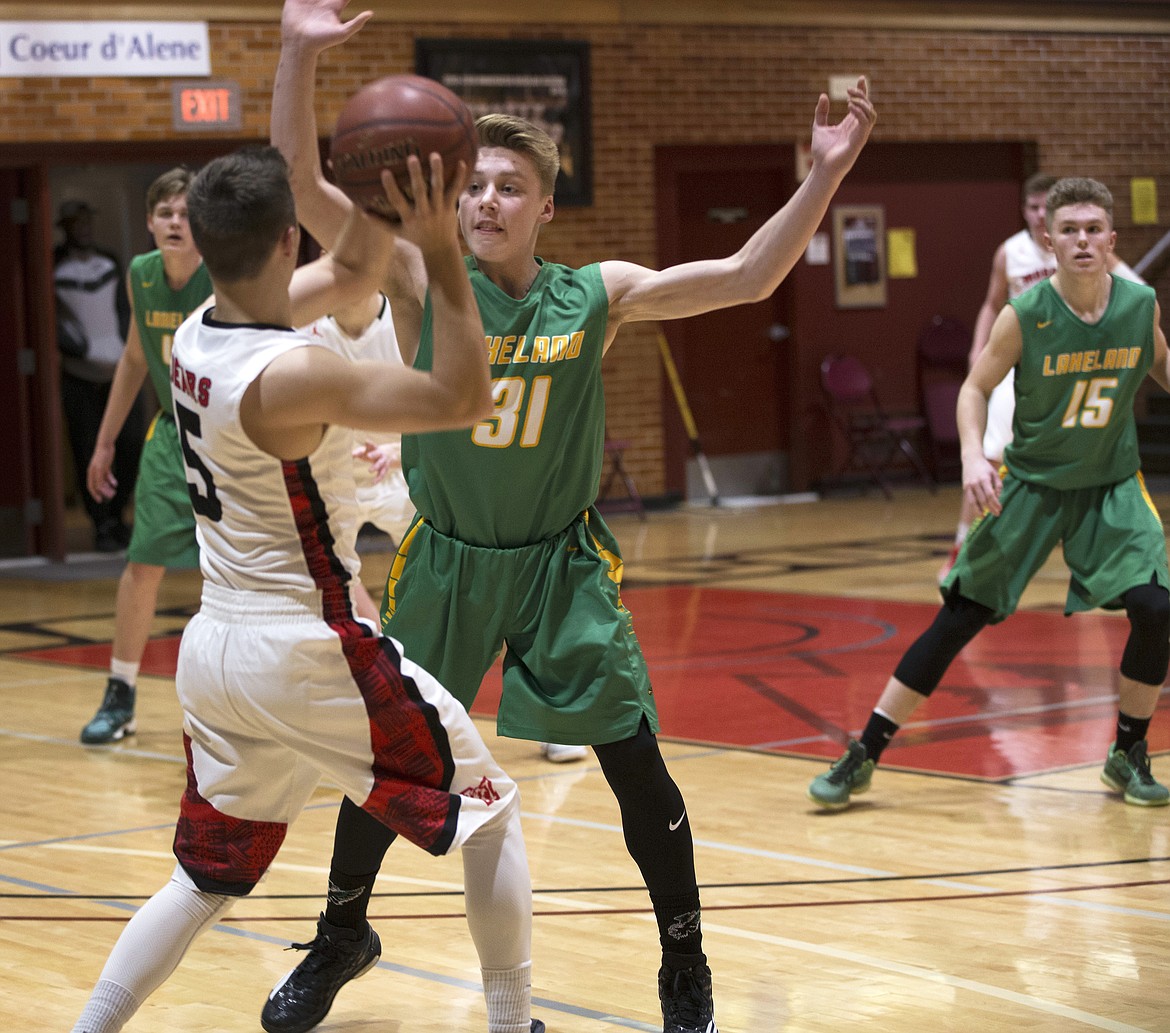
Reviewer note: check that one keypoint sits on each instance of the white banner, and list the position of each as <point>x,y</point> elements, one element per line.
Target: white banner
<point>72,49</point>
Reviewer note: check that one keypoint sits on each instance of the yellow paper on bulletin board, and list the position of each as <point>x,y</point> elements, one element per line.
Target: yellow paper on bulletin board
<point>902,254</point>
<point>1143,195</point>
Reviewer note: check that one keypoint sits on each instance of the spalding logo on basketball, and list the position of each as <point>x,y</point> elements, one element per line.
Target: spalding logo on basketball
<point>390,119</point>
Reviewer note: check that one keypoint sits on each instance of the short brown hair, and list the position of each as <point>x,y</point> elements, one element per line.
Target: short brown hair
<point>240,206</point>
<point>174,183</point>
<point>1039,183</point>
<point>1077,190</point>
<point>518,134</point>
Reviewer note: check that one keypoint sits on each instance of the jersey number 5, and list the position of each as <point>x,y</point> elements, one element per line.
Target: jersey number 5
<point>1088,407</point>
<point>206,502</point>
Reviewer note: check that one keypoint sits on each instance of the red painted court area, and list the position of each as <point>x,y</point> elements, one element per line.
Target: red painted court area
<point>798,673</point>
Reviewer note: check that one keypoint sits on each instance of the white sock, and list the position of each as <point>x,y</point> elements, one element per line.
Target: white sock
<point>108,1009</point>
<point>498,897</point>
<point>509,999</point>
<point>125,670</point>
<point>148,951</point>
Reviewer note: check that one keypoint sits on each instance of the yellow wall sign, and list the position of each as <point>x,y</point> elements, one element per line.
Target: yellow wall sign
<point>902,249</point>
<point>1143,195</point>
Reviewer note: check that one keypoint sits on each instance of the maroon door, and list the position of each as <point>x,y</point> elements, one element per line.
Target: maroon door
<point>733,363</point>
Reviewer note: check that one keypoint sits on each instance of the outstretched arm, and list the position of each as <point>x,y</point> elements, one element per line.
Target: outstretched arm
<point>308,28</point>
<point>755,271</point>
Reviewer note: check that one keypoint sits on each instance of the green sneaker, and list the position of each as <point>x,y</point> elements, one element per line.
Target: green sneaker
<point>114,718</point>
<point>851,774</point>
<point>1130,773</point>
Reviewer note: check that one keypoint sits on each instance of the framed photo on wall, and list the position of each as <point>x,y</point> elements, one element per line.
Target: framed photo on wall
<point>544,81</point>
<point>859,256</point>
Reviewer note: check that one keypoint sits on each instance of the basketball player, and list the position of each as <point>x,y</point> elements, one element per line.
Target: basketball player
<point>366,330</point>
<point>1020,262</point>
<point>165,286</point>
<point>279,682</point>
<point>1081,342</point>
<point>508,509</point>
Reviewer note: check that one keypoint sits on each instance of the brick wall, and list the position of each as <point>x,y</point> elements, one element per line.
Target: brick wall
<point>1091,104</point>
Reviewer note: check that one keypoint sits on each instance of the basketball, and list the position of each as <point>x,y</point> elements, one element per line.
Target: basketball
<point>388,120</point>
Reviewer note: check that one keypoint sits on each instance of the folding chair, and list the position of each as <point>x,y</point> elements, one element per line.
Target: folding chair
<point>632,501</point>
<point>943,347</point>
<point>872,438</point>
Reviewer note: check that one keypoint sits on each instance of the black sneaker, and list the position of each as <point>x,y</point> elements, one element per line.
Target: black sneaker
<point>687,1005</point>
<point>114,718</point>
<point>303,998</point>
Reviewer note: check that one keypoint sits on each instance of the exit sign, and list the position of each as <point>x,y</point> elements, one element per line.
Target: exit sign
<point>205,105</point>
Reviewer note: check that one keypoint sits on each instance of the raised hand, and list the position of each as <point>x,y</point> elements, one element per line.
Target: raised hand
<point>835,147</point>
<point>318,24</point>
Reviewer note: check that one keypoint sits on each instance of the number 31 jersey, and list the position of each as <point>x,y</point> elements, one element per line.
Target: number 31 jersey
<point>533,466</point>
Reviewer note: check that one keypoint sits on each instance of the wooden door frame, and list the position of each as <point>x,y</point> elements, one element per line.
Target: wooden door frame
<point>35,161</point>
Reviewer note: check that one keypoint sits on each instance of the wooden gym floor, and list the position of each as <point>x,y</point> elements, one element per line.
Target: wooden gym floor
<point>988,882</point>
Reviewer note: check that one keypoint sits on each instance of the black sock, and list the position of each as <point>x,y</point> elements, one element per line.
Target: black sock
<point>1130,730</point>
<point>360,842</point>
<point>348,899</point>
<point>679,925</point>
<point>879,730</point>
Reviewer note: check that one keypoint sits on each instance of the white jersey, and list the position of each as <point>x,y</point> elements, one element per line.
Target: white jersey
<point>263,524</point>
<point>1026,263</point>
<point>385,504</point>
<point>377,342</point>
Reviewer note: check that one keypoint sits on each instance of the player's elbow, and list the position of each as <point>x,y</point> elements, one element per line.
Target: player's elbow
<point>479,403</point>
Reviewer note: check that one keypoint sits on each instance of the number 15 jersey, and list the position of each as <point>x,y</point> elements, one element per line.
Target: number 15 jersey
<point>1075,385</point>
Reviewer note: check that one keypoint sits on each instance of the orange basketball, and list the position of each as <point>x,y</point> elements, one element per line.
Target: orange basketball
<point>390,119</point>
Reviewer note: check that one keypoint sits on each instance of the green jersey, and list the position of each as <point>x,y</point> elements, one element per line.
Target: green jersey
<point>533,466</point>
<point>1074,425</point>
<point>158,311</point>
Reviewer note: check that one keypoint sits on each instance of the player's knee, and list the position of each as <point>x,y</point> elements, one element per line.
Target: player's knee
<point>634,767</point>
<point>1148,607</point>
<point>1147,651</point>
<point>926,661</point>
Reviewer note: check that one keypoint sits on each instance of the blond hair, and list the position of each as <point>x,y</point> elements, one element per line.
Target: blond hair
<point>518,134</point>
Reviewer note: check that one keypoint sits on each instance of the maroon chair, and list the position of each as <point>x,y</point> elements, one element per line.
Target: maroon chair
<point>872,438</point>
<point>943,347</point>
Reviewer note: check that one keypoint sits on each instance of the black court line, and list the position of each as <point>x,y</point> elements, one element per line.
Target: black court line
<point>752,564</point>
<point>971,897</point>
<point>970,873</point>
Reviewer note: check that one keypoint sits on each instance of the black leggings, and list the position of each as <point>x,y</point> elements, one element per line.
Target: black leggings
<point>654,822</point>
<point>657,832</point>
<point>1145,660</point>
